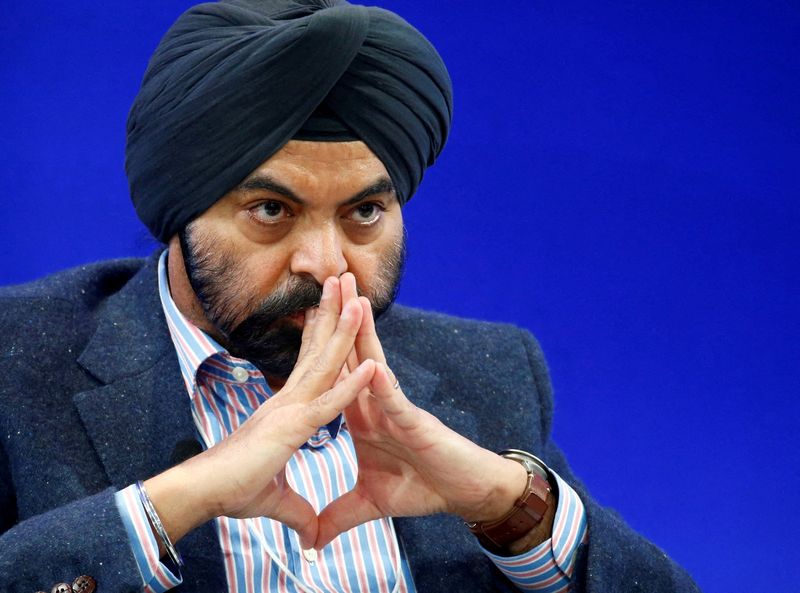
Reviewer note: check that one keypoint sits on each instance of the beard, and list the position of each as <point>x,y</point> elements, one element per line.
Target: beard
<point>257,328</point>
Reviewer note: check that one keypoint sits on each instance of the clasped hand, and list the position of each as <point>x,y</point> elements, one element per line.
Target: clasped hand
<point>409,463</point>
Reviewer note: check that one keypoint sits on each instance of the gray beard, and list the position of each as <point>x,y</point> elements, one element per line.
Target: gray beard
<point>265,336</point>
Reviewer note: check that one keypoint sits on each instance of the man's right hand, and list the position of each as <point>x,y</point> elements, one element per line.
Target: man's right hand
<point>243,476</point>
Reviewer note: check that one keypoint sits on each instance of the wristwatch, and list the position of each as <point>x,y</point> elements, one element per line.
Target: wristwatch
<point>528,510</point>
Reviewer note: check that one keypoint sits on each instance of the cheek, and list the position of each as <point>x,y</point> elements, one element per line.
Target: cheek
<point>364,267</point>
<point>265,269</point>
<point>257,267</point>
<point>369,262</point>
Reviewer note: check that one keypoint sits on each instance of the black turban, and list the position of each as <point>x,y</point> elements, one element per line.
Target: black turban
<point>232,82</point>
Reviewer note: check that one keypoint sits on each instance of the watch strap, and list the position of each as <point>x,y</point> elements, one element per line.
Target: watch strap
<point>526,514</point>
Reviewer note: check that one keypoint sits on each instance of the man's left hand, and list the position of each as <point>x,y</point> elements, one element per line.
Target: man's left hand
<point>410,463</point>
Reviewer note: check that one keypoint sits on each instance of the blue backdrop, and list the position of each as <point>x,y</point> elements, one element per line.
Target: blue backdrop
<point>622,179</point>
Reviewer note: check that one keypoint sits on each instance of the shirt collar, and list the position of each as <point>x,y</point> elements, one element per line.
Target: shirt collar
<point>194,347</point>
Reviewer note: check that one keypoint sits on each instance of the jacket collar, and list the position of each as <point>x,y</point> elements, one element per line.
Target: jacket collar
<point>131,334</point>
<point>138,416</point>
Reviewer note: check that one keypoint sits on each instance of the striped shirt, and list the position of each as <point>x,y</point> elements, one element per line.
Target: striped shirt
<point>223,392</point>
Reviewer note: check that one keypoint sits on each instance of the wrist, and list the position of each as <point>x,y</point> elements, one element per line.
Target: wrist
<point>180,506</point>
<point>529,521</point>
<point>510,481</point>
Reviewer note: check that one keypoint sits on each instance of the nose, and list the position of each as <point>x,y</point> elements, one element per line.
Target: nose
<point>319,253</point>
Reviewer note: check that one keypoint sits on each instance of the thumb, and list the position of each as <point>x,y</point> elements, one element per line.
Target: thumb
<point>348,511</point>
<point>296,513</point>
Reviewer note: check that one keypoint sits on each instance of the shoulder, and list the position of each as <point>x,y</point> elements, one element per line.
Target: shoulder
<point>480,366</point>
<point>81,283</point>
<point>42,310</point>
<point>407,323</point>
<point>409,318</point>
<point>430,337</point>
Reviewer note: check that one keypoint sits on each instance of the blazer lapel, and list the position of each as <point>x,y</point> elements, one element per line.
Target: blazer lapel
<point>135,422</point>
<point>138,417</point>
<point>141,412</point>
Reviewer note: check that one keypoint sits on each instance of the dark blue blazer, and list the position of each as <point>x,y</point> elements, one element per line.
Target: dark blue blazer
<point>91,400</point>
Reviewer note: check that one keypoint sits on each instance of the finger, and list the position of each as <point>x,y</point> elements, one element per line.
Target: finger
<point>305,346</point>
<point>347,284</point>
<point>323,368</point>
<point>367,343</point>
<point>342,374</point>
<point>295,512</point>
<point>391,400</point>
<point>330,404</point>
<point>357,414</point>
<point>308,331</point>
<point>352,359</point>
<point>325,322</point>
<point>348,511</point>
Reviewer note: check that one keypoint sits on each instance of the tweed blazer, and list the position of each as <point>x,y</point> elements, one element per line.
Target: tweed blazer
<point>91,400</point>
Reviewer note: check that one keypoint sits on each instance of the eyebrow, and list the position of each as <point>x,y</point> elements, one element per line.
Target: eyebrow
<point>383,185</point>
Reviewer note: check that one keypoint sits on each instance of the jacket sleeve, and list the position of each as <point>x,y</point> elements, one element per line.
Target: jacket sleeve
<point>616,558</point>
<point>84,537</point>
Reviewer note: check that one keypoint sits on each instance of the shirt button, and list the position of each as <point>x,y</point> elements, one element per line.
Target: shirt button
<point>310,555</point>
<point>240,374</point>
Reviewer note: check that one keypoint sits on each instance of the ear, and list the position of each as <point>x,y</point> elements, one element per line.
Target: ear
<point>180,284</point>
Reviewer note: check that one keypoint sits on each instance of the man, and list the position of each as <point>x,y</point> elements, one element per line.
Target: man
<point>233,398</point>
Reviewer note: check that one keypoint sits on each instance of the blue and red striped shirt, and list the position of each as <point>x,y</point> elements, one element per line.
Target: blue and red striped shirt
<point>223,392</point>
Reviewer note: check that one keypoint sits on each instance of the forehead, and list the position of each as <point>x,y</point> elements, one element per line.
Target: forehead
<point>325,163</point>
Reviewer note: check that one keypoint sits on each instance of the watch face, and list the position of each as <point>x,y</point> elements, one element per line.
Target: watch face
<point>531,463</point>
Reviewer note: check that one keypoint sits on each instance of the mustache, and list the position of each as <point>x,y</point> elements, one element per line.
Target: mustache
<point>297,296</point>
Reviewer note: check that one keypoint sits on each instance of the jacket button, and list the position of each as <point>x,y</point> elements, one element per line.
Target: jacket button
<point>84,584</point>
<point>61,588</point>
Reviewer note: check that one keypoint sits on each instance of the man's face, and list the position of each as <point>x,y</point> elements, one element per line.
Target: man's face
<point>254,261</point>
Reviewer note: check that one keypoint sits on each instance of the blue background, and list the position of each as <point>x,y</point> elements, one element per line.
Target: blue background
<point>622,179</point>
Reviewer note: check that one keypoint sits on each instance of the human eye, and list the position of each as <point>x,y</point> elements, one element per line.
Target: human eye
<point>366,213</point>
<point>270,212</point>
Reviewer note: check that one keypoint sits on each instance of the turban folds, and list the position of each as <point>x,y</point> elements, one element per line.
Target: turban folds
<point>232,82</point>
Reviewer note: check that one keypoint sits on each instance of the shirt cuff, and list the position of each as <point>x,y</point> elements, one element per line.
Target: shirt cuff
<point>548,567</point>
<point>156,576</point>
